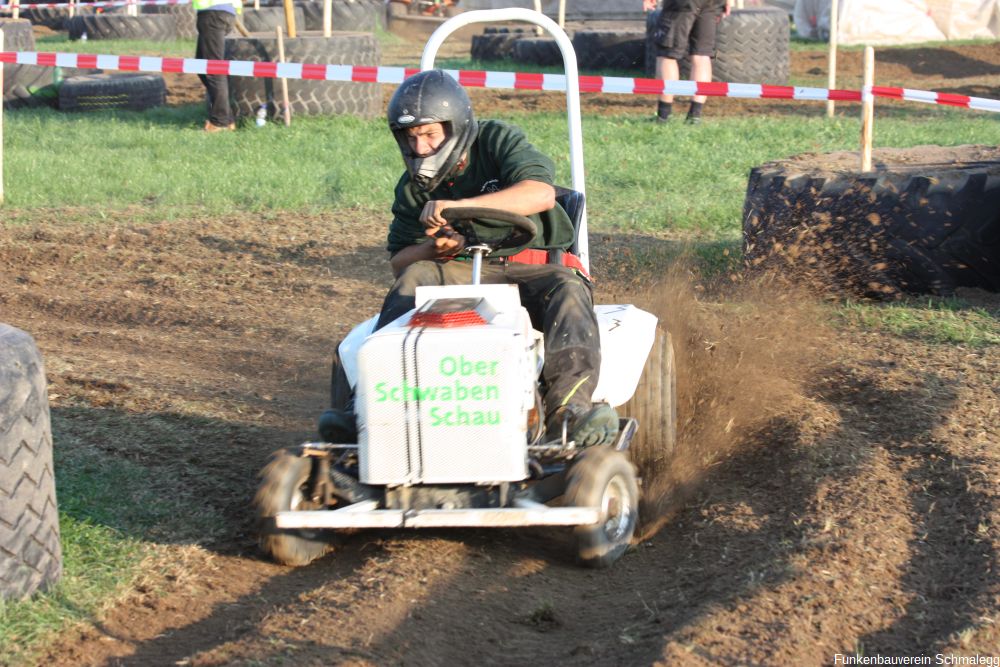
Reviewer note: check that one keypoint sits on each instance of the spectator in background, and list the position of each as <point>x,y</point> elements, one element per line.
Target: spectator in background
<point>215,19</point>
<point>685,28</point>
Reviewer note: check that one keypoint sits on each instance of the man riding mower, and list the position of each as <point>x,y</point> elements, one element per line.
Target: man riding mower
<point>482,394</point>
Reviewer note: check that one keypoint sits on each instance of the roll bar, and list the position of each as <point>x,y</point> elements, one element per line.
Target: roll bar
<point>572,87</point>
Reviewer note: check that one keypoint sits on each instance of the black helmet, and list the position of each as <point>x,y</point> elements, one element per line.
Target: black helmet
<point>432,97</point>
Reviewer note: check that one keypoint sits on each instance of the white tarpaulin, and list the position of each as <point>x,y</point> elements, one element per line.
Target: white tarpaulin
<point>899,21</point>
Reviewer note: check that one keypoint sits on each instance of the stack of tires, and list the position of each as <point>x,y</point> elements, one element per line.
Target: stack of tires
<point>53,18</point>
<point>30,551</point>
<point>306,96</point>
<point>18,79</point>
<point>111,25</point>
<point>751,47</point>
<point>610,49</point>
<point>345,15</point>
<point>925,220</point>
<point>495,43</point>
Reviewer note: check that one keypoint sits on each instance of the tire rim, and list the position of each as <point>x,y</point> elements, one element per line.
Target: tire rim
<point>616,509</point>
<point>299,501</point>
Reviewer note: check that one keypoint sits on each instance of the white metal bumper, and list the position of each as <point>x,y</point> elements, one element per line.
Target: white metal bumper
<point>365,515</point>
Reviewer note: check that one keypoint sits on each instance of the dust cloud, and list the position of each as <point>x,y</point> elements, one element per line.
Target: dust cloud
<point>744,351</point>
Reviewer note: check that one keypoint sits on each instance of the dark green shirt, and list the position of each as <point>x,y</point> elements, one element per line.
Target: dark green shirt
<point>499,157</point>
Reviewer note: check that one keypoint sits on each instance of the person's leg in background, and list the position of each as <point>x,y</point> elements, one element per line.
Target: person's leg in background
<point>671,38</point>
<point>702,40</point>
<point>667,69</point>
<point>213,26</point>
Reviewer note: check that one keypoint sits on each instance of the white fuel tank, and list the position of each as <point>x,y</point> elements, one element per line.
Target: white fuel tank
<point>440,402</point>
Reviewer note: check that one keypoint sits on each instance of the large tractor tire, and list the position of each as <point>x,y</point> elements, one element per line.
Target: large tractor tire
<point>345,15</point>
<point>751,46</point>
<point>541,51</point>
<point>53,18</point>
<point>184,17</point>
<point>925,220</point>
<point>152,27</point>
<point>18,78</point>
<point>495,43</point>
<point>308,97</point>
<point>95,92</point>
<point>30,551</point>
<point>266,19</point>
<point>610,49</point>
<point>654,406</point>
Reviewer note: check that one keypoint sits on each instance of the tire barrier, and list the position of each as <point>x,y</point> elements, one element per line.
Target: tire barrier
<point>154,27</point>
<point>18,78</point>
<point>30,550</point>
<point>308,97</point>
<point>495,43</point>
<point>751,46</point>
<point>345,15</point>
<point>184,18</point>
<point>266,19</point>
<point>610,49</point>
<point>95,92</point>
<point>911,225</point>
<point>536,51</point>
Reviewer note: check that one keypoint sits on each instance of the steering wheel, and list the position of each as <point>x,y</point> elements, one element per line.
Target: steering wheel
<point>492,227</point>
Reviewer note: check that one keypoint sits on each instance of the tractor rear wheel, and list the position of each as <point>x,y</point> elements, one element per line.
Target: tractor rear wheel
<point>284,486</point>
<point>605,478</point>
<point>654,406</point>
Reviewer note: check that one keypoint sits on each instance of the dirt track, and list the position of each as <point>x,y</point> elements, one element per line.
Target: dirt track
<point>837,490</point>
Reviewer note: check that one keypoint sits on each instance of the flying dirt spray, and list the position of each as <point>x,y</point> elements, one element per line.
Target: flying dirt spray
<point>744,352</point>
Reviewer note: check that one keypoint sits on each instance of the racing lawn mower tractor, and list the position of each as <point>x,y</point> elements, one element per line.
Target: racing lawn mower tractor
<point>448,409</point>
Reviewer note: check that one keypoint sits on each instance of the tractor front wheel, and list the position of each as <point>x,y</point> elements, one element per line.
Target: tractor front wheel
<point>285,486</point>
<point>605,478</point>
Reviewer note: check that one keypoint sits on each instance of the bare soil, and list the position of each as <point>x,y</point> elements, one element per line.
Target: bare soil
<point>835,490</point>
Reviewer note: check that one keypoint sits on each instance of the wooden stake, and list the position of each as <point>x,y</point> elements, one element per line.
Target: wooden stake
<point>256,4</point>
<point>831,60</point>
<point>72,8</point>
<point>290,19</point>
<point>867,110</point>
<point>538,8</point>
<point>562,13</point>
<point>287,108</point>
<point>16,7</point>
<point>327,18</point>
<point>1,124</point>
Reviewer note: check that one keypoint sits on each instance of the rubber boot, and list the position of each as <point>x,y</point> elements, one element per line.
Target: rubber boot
<point>338,427</point>
<point>587,428</point>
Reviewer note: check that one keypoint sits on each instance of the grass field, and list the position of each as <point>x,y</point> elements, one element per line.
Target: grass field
<point>640,176</point>
<point>675,181</point>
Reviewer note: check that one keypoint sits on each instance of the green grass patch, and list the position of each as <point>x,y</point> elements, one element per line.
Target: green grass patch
<point>98,563</point>
<point>640,176</point>
<point>61,43</point>
<point>933,320</point>
<point>112,511</point>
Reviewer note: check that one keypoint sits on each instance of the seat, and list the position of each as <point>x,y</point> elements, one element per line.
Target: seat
<point>573,203</point>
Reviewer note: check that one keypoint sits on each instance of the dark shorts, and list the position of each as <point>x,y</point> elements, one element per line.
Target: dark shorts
<point>687,27</point>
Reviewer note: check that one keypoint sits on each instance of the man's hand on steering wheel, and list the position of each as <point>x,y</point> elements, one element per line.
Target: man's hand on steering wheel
<point>447,242</point>
<point>431,216</point>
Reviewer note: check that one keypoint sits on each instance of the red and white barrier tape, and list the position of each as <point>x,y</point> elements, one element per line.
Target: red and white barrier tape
<point>102,3</point>
<point>479,79</point>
